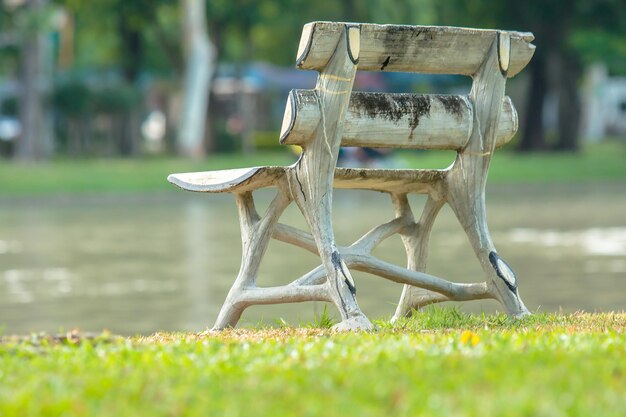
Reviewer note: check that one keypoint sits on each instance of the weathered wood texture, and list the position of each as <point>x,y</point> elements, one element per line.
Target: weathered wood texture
<point>228,180</point>
<point>421,181</point>
<point>425,49</point>
<point>331,115</point>
<point>311,179</point>
<point>381,120</point>
<point>465,185</point>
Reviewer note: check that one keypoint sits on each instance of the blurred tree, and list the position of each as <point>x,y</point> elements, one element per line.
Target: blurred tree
<point>142,38</point>
<point>28,21</point>
<point>246,30</point>
<point>125,32</point>
<point>200,68</point>
<point>406,12</point>
<point>557,64</point>
<point>129,33</point>
<point>608,47</point>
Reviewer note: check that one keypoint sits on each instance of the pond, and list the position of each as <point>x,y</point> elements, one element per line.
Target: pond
<point>142,263</point>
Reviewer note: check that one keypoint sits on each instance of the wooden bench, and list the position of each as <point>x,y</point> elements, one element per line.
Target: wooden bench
<point>330,116</point>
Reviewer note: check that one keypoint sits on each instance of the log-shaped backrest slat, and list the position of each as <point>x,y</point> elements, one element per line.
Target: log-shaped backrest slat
<point>423,49</point>
<point>424,121</point>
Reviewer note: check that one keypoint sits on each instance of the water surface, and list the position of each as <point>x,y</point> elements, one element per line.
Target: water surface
<point>138,264</point>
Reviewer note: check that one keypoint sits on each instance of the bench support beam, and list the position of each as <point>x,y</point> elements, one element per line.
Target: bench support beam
<point>415,241</point>
<point>358,256</point>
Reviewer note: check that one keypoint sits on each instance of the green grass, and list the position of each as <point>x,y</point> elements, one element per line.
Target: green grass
<point>117,175</point>
<point>439,363</point>
<point>600,162</point>
<point>604,162</point>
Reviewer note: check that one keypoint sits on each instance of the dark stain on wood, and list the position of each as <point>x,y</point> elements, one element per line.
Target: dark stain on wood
<point>420,106</point>
<point>295,172</point>
<point>397,176</point>
<point>335,259</point>
<point>397,38</point>
<point>493,259</point>
<point>351,287</point>
<point>392,108</point>
<point>454,105</point>
<point>385,63</point>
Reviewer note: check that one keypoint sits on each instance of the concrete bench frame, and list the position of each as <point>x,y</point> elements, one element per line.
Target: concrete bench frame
<point>331,115</point>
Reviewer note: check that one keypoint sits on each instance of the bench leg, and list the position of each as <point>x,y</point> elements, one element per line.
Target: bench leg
<point>467,178</point>
<point>255,236</point>
<point>501,281</point>
<point>311,178</point>
<point>339,282</point>
<point>415,238</point>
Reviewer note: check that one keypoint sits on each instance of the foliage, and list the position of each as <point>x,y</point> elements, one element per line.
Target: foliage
<point>560,28</point>
<point>467,365</point>
<point>268,30</point>
<point>80,110</point>
<point>324,320</point>
<point>141,39</point>
<point>72,99</point>
<point>599,45</point>
<point>136,34</point>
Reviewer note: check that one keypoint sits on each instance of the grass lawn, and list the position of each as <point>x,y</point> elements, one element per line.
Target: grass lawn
<point>439,363</point>
<point>117,175</point>
<point>604,162</point>
<point>601,162</point>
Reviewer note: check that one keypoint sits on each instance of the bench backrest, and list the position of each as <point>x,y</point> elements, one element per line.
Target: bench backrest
<point>405,120</point>
<point>385,120</point>
<point>422,49</point>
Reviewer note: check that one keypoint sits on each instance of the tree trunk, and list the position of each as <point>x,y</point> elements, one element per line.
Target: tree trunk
<point>132,51</point>
<point>246,105</point>
<point>533,137</point>
<point>199,69</point>
<point>29,146</point>
<point>569,103</point>
<point>129,133</point>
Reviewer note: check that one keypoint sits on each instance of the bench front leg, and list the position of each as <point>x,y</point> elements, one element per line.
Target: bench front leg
<point>467,179</point>
<point>311,178</point>
<point>256,233</point>
<point>501,280</point>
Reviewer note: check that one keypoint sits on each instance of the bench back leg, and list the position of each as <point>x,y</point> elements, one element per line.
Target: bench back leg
<point>415,239</point>
<point>467,178</point>
<point>311,178</point>
<point>464,190</point>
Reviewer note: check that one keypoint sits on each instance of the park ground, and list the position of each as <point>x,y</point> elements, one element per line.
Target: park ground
<point>439,363</point>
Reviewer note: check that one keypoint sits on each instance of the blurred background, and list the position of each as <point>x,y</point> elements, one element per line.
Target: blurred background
<point>101,99</point>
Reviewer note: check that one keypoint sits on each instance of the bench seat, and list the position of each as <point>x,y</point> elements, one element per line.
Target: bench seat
<point>250,179</point>
<point>228,180</point>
